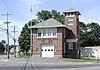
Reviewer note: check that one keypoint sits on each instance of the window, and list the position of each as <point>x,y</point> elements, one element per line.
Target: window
<point>45,49</point>
<point>70,23</point>
<point>47,32</point>
<point>39,33</point>
<point>48,49</point>
<point>44,32</point>
<point>51,49</point>
<point>54,32</point>
<point>70,45</point>
<point>70,14</point>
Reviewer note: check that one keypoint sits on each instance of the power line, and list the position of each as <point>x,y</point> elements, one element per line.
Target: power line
<point>2,29</point>
<point>1,19</point>
<point>7,30</point>
<point>6,5</point>
<point>14,39</point>
<point>3,6</point>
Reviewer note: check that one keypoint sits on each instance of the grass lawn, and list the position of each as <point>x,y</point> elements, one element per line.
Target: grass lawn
<point>79,60</point>
<point>22,56</point>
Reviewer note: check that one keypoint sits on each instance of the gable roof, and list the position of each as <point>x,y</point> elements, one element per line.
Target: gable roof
<point>48,23</point>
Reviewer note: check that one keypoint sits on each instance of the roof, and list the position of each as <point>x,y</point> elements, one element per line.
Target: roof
<point>71,10</point>
<point>47,24</point>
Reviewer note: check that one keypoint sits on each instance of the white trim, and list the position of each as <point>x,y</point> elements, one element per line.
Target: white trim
<point>70,20</point>
<point>70,24</point>
<point>71,40</point>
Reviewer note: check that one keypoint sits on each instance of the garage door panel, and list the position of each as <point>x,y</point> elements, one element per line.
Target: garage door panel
<point>47,51</point>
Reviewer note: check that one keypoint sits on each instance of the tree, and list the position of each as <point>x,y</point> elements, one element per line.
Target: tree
<point>24,38</point>
<point>93,33</point>
<point>89,34</point>
<point>2,48</point>
<point>11,46</point>
<point>56,15</point>
<point>83,33</point>
<point>3,41</point>
<point>44,15</point>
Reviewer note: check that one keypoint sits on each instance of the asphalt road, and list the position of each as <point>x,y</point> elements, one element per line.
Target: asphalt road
<point>51,67</point>
<point>44,64</point>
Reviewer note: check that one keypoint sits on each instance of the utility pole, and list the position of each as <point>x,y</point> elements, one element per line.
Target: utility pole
<point>14,39</point>
<point>7,22</point>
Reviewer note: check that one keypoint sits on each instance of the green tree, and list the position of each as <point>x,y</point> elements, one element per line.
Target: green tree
<point>89,34</point>
<point>3,41</point>
<point>93,34</point>
<point>83,33</point>
<point>24,38</point>
<point>11,46</point>
<point>56,15</point>
<point>44,15</point>
<point>2,49</point>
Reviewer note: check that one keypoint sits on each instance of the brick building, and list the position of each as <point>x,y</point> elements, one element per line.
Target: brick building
<point>53,39</point>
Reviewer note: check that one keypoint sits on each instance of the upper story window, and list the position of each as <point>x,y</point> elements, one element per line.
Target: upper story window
<point>47,32</point>
<point>44,32</point>
<point>39,33</point>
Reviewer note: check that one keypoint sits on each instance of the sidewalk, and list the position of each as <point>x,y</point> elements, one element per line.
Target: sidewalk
<point>6,56</point>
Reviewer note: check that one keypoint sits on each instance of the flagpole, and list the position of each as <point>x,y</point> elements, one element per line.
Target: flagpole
<point>31,31</point>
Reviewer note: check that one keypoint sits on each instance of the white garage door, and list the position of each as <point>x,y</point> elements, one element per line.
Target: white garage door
<point>47,50</point>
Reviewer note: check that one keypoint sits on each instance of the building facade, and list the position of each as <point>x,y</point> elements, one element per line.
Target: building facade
<point>53,39</point>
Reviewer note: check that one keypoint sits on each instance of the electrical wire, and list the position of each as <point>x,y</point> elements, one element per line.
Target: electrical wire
<point>6,5</point>
<point>1,19</point>
<point>3,6</point>
<point>4,29</point>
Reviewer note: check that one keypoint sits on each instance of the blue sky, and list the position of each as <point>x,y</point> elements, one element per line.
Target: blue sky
<point>20,9</point>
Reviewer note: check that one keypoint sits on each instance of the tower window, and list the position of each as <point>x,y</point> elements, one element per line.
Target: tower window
<point>70,15</point>
<point>70,23</point>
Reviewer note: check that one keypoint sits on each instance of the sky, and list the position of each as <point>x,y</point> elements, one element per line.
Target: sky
<point>20,10</point>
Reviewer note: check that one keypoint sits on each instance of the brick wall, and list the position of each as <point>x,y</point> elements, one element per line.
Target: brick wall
<point>57,42</point>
